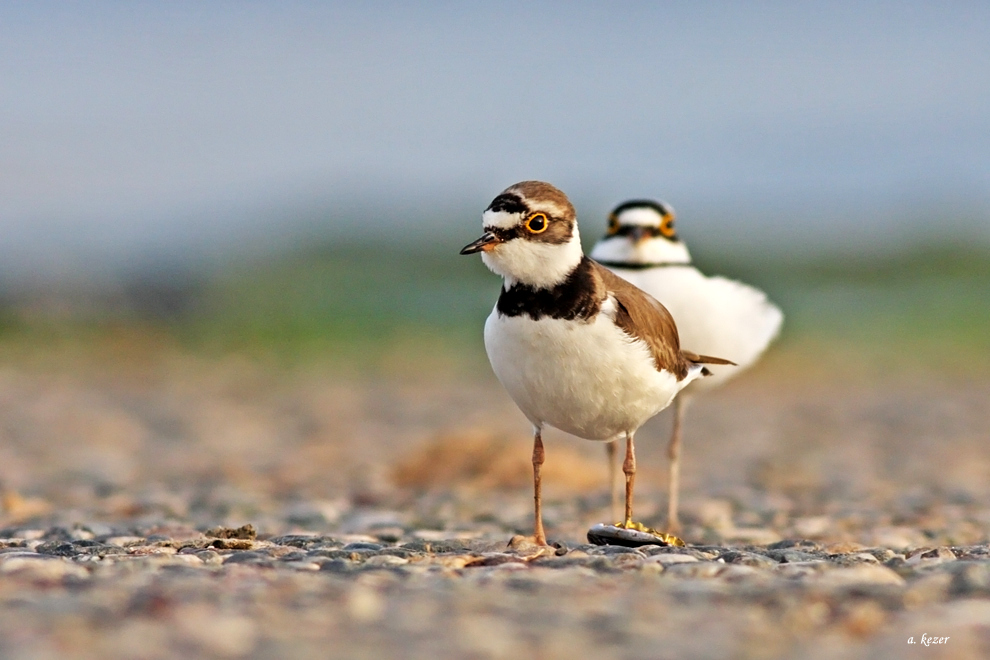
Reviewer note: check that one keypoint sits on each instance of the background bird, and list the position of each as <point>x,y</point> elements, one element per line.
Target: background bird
<point>714,315</point>
<point>576,347</point>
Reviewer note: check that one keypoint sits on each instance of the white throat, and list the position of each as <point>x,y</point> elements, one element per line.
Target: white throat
<point>535,263</point>
<point>621,249</point>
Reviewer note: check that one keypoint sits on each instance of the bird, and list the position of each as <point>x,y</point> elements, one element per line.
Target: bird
<point>713,314</point>
<point>575,346</point>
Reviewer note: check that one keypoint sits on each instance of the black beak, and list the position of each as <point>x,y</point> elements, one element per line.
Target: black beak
<point>483,244</point>
<point>638,233</point>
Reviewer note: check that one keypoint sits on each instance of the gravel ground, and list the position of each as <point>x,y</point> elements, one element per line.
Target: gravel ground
<point>173,507</point>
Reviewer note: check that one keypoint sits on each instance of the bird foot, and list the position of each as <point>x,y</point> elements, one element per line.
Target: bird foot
<point>529,548</point>
<point>667,539</point>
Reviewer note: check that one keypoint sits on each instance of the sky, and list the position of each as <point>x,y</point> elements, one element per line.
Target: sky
<point>142,131</point>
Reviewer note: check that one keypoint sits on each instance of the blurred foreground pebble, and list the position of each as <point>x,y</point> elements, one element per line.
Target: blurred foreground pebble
<point>226,593</point>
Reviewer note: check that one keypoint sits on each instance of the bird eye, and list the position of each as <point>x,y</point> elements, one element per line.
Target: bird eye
<point>667,226</point>
<point>613,224</point>
<point>537,223</point>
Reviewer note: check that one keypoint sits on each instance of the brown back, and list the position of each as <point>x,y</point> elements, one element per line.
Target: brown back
<point>642,316</point>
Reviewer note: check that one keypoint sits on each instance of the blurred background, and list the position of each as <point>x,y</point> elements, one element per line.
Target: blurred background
<point>272,195</point>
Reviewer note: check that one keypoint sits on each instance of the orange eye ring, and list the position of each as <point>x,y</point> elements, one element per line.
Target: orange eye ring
<point>667,226</point>
<point>537,223</point>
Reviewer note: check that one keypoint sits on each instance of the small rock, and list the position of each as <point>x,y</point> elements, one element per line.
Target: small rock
<point>253,558</point>
<point>243,532</point>
<point>232,544</point>
<point>801,570</point>
<point>743,558</point>
<point>853,559</point>
<point>295,555</point>
<point>670,559</point>
<point>362,547</point>
<point>384,561</point>
<point>210,557</point>
<point>792,556</point>
<point>612,535</point>
<point>305,541</point>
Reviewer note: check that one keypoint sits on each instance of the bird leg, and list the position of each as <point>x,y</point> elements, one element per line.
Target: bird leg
<point>540,537</point>
<point>629,468</point>
<point>674,454</point>
<point>613,493</point>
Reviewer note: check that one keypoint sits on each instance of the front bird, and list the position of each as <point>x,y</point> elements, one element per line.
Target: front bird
<point>713,314</point>
<point>576,347</point>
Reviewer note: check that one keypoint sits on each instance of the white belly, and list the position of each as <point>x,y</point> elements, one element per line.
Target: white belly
<point>588,379</point>
<point>715,316</point>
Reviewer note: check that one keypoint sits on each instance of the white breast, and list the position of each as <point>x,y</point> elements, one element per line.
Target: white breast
<point>714,315</point>
<point>589,379</point>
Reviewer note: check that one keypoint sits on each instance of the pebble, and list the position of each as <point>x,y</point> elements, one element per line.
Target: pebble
<point>670,559</point>
<point>745,558</point>
<point>854,588</point>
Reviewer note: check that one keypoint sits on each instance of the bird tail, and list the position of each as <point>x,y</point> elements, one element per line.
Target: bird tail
<point>705,359</point>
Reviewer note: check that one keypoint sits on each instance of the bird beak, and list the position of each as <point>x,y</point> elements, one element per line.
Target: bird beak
<point>483,244</point>
<point>638,234</point>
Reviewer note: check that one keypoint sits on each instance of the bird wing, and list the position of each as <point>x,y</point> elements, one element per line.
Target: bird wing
<point>641,316</point>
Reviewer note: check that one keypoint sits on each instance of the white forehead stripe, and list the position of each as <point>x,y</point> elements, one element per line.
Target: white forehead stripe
<point>499,219</point>
<point>641,216</point>
<point>550,208</point>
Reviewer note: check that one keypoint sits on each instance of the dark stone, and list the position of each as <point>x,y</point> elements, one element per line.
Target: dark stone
<point>792,556</point>
<point>436,547</point>
<point>297,555</point>
<point>306,542</point>
<point>249,557</point>
<point>613,535</point>
<point>362,547</point>
<point>803,544</point>
<point>57,549</point>
<point>747,559</point>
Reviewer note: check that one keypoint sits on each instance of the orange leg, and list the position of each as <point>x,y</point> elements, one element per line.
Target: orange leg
<point>629,468</point>
<point>539,536</point>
